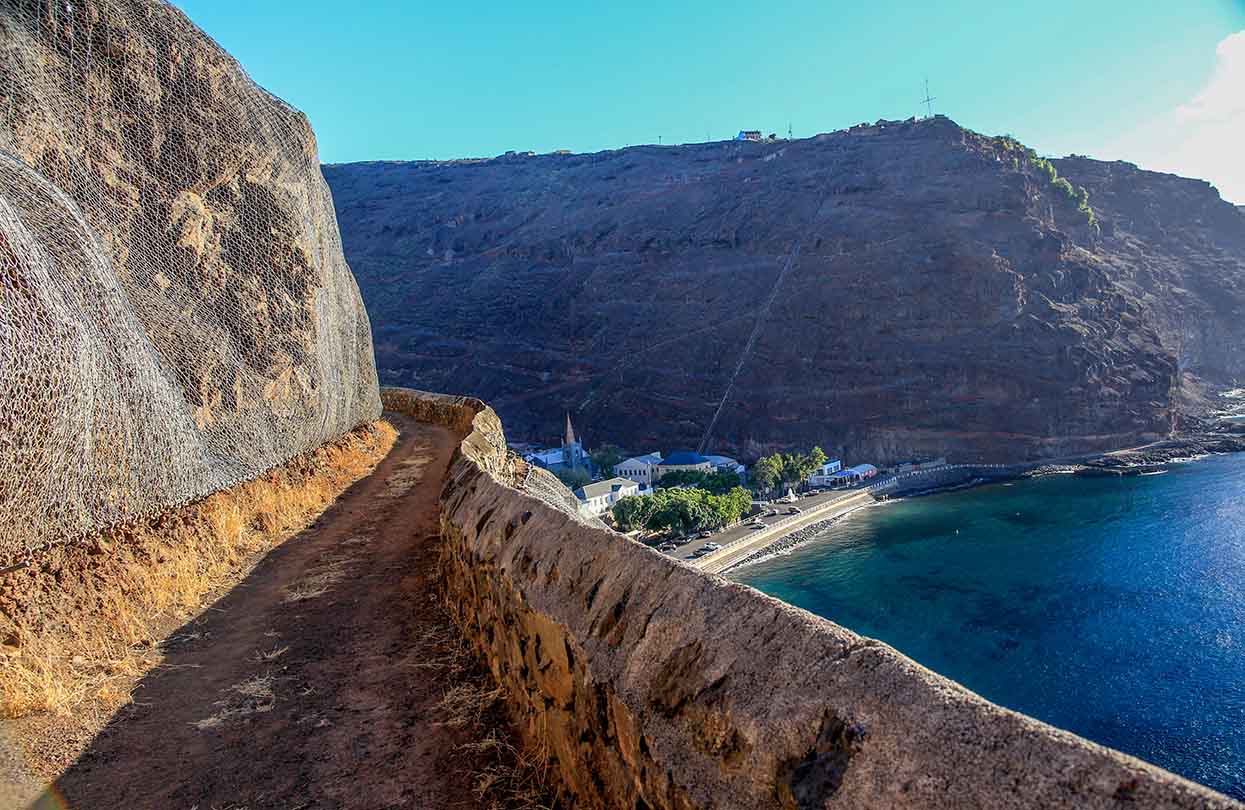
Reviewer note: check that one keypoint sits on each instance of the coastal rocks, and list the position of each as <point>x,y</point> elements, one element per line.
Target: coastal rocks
<point>1132,462</point>
<point>932,293</point>
<point>176,315</point>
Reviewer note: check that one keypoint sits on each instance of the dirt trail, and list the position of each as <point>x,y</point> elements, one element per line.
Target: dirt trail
<point>307,685</point>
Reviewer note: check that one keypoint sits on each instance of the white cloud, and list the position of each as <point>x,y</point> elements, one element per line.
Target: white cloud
<point>1204,137</point>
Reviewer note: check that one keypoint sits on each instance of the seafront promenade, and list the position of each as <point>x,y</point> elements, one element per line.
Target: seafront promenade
<point>757,540</point>
<point>743,542</point>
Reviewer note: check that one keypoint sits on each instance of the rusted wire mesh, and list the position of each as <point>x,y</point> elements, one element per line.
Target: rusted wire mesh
<point>176,314</point>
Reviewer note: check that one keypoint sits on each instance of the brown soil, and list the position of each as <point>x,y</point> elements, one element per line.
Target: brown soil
<point>329,678</point>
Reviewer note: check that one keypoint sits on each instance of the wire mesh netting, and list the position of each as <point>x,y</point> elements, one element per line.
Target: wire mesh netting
<point>176,315</point>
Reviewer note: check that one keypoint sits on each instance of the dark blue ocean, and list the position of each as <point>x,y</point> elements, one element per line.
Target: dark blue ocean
<point>1114,608</point>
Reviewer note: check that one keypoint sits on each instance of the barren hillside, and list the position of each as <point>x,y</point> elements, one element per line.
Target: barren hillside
<point>913,287</point>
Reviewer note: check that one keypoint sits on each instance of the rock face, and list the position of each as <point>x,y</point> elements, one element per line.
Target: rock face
<point>650,684</point>
<point>1178,249</point>
<point>176,314</point>
<point>907,287</point>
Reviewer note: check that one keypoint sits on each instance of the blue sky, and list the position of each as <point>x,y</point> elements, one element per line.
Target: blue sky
<point>1158,83</point>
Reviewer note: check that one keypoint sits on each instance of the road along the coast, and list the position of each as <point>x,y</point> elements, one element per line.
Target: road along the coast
<point>757,540</point>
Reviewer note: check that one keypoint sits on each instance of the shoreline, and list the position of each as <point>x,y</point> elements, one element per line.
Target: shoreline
<point>1115,463</point>
<point>797,538</point>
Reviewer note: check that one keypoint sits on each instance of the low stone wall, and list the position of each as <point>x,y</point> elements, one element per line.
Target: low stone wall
<point>652,685</point>
<point>944,477</point>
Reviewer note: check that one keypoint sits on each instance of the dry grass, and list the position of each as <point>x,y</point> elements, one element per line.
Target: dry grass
<point>315,584</point>
<point>511,778</point>
<point>253,696</point>
<point>506,775</point>
<point>78,627</point>
<point>271,655</point>
<point>466,704</point>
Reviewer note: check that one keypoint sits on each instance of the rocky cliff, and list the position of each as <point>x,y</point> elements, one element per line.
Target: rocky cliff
<point>905,287</point>
<point>176,314</point>
<point>1179,250</point>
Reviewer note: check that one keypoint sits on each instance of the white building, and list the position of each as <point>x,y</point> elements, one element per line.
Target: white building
<point>822,477</point>
<point>596,499</point>
<point>639,469</point>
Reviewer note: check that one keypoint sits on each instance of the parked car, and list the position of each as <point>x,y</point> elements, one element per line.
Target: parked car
<point>667,547</point>
<point>700,552</point>
<point>705,535</point>
<point>795,510</point>
<point>711,546</point>
<point>757,525</point>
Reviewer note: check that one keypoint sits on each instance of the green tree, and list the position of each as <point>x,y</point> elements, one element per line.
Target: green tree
<point>574,478</point>
<point>607,457</point>
<point>794,466</point>
<point>767,472</point>
<point>680,478</point>
<point>720,482</point>
<point>733,505</point>
<point>633,512</point>
<point>682,511</point>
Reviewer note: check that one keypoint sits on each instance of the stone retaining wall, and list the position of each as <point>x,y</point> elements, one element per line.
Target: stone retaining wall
<point>652,685</point>
<point>942,477</point>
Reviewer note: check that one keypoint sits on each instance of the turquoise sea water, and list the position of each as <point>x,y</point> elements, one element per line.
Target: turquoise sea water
<point>1114,608</point>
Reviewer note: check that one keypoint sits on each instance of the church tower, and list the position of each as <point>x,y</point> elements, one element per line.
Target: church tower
<point>572,450</point>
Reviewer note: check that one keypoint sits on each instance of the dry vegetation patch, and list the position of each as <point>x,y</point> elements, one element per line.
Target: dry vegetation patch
<point>506,774</point>
<point>79,624</point>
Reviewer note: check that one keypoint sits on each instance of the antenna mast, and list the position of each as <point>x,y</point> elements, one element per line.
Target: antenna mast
<point>928,101</point>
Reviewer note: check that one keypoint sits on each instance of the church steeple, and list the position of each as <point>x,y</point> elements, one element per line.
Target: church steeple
<point>569,439</point>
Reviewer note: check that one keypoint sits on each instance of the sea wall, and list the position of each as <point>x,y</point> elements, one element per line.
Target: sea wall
<point>652,685</point>
<point>946,477</point>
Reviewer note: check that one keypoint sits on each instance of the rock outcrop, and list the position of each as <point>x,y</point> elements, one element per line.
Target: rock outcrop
<point>176,314</point>
<point>914,288</point>
<point>1173,245</point>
